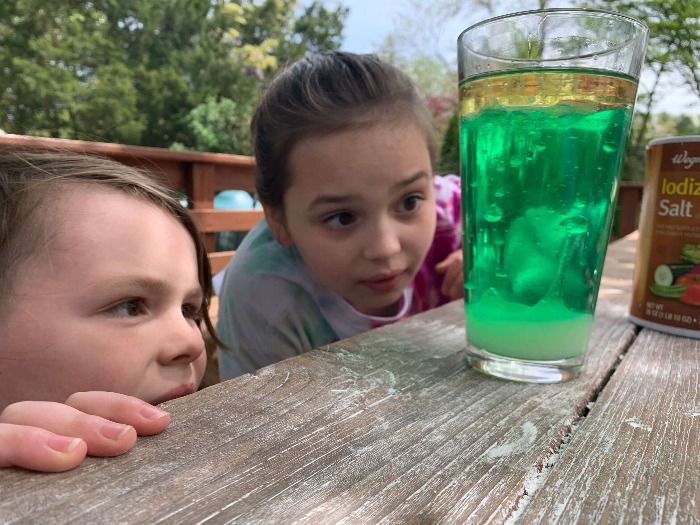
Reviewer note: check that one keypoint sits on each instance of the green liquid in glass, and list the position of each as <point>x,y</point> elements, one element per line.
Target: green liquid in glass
<point>541,153</point>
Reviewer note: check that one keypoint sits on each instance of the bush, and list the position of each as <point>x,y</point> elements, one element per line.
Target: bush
<point>449,154</point>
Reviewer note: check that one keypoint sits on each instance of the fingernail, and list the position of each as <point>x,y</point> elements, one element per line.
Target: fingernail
<point>114,431</point>
<point>151,412</point>
<point>62,444</point>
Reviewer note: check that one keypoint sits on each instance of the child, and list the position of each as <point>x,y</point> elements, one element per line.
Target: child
<point>358,232</point>
<point>105,283</point>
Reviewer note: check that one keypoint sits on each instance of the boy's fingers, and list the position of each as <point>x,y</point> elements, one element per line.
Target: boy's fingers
<point>102,436</point>
<point>38,449</point>
<point>144,417</point>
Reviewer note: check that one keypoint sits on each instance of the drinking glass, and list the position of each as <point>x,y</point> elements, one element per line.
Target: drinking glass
<point>546,101</point>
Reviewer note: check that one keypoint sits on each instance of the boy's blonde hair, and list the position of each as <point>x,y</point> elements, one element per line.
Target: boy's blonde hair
<point>30,183</point>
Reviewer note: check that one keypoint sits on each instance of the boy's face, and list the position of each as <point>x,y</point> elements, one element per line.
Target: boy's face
<point>361,211</point>
<point>108,303</point>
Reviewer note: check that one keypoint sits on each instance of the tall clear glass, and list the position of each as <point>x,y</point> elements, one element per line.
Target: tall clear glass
<point>546,101</point>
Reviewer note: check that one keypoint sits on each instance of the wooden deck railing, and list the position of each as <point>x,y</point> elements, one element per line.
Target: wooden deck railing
<point>201,176</point>
<point>629,202</point>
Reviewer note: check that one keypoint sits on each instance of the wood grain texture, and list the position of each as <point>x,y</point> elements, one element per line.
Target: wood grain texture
<point>231,171</point>
<point>385,427</point>
<point>636,457</point>
<point>211,220</point>
<point>218,261</point>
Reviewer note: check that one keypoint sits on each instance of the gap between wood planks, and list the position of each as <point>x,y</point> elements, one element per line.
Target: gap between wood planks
<point>538,477</point>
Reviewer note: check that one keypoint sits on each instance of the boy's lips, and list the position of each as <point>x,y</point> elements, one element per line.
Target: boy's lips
<point>180,391</point>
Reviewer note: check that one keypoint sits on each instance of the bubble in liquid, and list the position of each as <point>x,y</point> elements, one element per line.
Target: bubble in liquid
<point>493,213</point>
<point>498,192</point>
<point>609,148</point>
<point>575,225</point>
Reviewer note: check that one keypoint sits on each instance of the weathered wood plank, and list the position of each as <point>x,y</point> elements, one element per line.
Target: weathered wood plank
<point>219,260</point>
<point>636,457</point>
<point>231,171</point>
<point>389,426</point>
<point>629,200</point>
<point>211,220</point>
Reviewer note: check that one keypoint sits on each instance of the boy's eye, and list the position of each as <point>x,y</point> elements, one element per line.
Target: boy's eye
<point>192,311</point>
<point>339,220</point>
<point>130,308</point>
<point>410,203</point>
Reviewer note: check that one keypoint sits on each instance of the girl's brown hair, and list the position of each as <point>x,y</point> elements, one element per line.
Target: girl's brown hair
<point>328,93</point>
<point>31,181</point>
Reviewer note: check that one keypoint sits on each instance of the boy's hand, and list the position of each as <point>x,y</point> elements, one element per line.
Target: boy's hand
<point>453,270</point>
<point>54,437</point>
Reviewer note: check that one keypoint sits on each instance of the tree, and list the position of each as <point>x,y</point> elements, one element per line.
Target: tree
<point>218,127</point>
<point>418,45</point>
<point>673,43</point>
<point>144,72</point>
<point>57,59</point>
<point>449,153</point>
<point>685,125</point>
<point>673,46</point>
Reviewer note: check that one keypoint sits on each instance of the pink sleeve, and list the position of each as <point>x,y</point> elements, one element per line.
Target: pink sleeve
<point>448,238</point>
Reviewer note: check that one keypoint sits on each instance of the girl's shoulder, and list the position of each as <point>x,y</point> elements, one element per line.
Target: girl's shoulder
<point>265,293</point>
<point>261,253</point>
<point>260,266</point>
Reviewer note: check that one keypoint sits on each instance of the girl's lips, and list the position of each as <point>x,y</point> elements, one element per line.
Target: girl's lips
<point>180,391</point>
<point>384,283</point>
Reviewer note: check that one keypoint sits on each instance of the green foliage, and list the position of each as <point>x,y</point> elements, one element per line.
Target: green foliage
<point>150,73</point>
<point>673,44</point>
<point>219,127</point>
<point>659,126</point>
<point>449,153</point>
<point>673,47</point>
<point>685,125</point>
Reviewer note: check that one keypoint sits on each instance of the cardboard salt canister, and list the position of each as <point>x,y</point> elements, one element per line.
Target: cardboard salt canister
<point>666,292</point>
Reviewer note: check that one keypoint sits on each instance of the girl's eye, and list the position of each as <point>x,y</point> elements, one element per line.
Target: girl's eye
<point>340,220</point>
<point>410,203</point>
<point>130,308</point>
<point>192,311</point>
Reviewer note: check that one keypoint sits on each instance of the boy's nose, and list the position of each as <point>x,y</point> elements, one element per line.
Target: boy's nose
<point>183,343</point>
<point>383,241</point>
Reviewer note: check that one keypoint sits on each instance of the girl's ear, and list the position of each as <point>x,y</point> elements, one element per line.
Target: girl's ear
<point>275,220</point>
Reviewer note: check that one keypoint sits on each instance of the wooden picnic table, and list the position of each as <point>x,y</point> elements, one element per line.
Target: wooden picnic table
<point>391,427</point>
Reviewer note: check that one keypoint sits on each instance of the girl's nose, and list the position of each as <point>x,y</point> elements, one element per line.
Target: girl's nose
<point>183,343</point>
<point>383,241</point>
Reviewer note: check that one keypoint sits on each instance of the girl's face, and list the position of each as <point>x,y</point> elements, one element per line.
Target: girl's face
<point>109,303</point>
<point>361,211</point>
